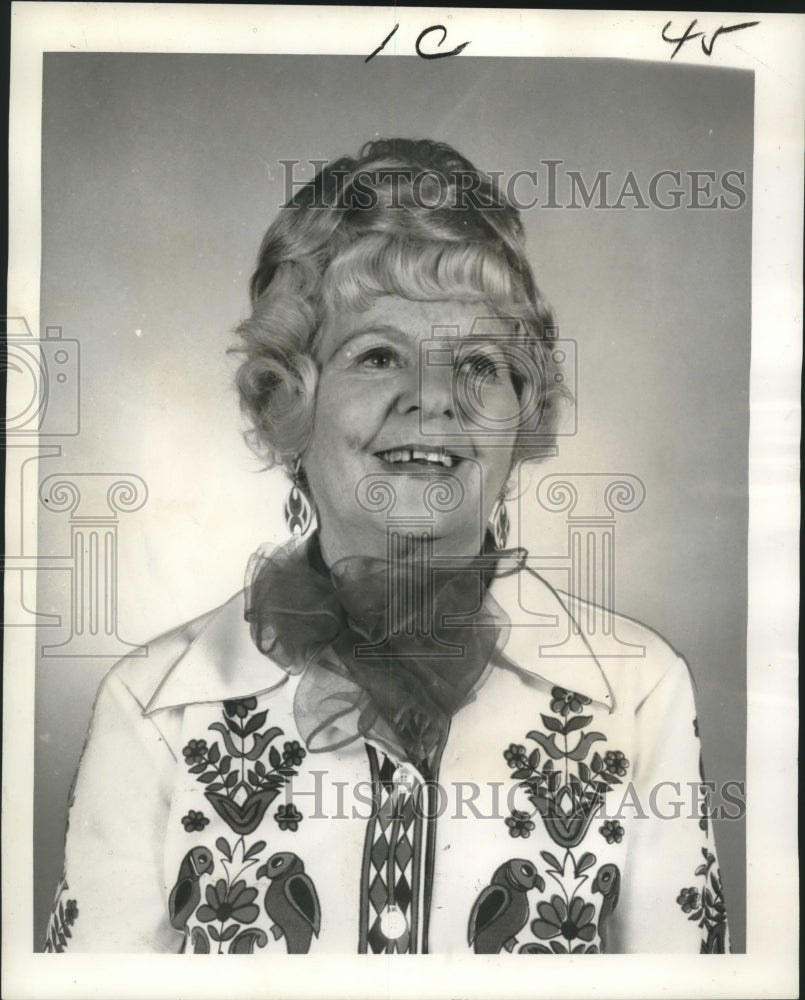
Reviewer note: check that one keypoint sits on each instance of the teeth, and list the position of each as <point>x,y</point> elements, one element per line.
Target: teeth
<point>417,455</point>
<point>433,456</point>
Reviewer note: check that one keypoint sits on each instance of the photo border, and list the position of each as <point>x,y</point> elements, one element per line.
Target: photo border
<point>773,50</point>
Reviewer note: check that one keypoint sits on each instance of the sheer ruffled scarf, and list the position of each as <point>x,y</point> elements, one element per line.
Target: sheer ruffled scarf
<point>388,651</point>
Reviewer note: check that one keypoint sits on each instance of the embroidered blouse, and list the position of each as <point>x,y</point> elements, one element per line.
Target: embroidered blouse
<point>563,815</point>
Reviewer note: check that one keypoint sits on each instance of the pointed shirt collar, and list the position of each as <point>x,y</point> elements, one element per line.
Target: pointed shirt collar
<point>221,663</point>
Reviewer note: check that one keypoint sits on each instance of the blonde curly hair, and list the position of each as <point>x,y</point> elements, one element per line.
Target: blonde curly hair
<point>405,217</point>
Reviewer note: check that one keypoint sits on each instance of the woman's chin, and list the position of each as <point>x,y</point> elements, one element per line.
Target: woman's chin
<point>410,530</point>
<point>420,491</point>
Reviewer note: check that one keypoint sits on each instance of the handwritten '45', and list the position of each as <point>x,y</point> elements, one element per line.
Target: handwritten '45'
<point>691,34</point>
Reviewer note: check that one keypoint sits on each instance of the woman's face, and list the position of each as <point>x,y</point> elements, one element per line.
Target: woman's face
<point>408,433</point>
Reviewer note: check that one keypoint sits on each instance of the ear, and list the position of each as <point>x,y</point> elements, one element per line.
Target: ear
<point>509,487</point>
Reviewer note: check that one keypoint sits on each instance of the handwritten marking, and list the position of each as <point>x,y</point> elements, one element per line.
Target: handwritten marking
<point>723,31</point>
<point>422,36</point>
<point>382,45</point>
<point>690,34</point>
<point>437,55</point>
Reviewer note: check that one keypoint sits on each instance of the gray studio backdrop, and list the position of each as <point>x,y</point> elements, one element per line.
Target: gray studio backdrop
<point>160,174</point>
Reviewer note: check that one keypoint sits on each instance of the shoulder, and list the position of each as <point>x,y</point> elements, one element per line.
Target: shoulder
<point>633,657</point>
<point>599,623</point>
<point>143,671</point>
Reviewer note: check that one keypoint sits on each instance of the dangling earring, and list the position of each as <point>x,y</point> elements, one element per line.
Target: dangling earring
<point>500,524</point>
<point>297,511</point>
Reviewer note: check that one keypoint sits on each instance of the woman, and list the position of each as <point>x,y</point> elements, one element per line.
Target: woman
<point>385,756</point>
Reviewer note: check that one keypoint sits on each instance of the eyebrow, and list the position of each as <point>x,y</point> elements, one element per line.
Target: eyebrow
<point>396,333</point>
<point>382,329</point>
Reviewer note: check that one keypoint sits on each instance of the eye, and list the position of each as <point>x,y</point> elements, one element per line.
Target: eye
<point>484,366</point>
<point>378,359</point>
<point>526,869</point>
<point>276,863</point>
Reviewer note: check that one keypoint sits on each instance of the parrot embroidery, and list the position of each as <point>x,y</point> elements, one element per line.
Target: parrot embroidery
<point>291,901</point>
<point>608,883</point>
<point>186,893</point>
<point>501,910</point>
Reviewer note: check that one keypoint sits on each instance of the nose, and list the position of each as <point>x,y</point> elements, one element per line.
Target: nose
<point>429,388</point>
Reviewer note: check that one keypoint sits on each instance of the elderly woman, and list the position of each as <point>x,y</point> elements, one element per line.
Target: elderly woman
<point>385,753</point>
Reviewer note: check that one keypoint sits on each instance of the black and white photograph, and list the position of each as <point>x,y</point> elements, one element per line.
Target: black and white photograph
<point>402,508</point>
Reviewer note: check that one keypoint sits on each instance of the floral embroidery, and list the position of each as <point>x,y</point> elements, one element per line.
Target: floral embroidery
<point>567,781</point>
<point>616,762</point>
<point>704,802</point>
<point>705,811</point>
<point>515,756</point>
<point>240,708</point>
<point>571,922</point>
<point>557,948</point>
<point>611,831</point>
<point>293,753</point>
<point>567,799</point>
<point>241,785</point>
<point>230,905</point>
<point>195,752</point>
<point>225,903</point>
<point>567,914</point>
<point>64,915</point>
<point>564,702</point>
<point>228,901</point>
<point>706,906</point>
<point>194,820</point>
<point>288,817</point>
<point>519,824</point>
<point>242,773</point>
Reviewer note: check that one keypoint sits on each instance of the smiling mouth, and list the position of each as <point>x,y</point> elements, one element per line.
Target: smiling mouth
<point>419,456</point>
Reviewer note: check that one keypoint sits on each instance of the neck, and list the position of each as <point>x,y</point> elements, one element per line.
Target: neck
<point>336,545</point>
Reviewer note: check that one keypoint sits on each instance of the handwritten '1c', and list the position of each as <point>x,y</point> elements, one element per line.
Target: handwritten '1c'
<point>419,51</point>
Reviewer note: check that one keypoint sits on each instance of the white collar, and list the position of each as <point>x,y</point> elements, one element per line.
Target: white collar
<point>222,662</point>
